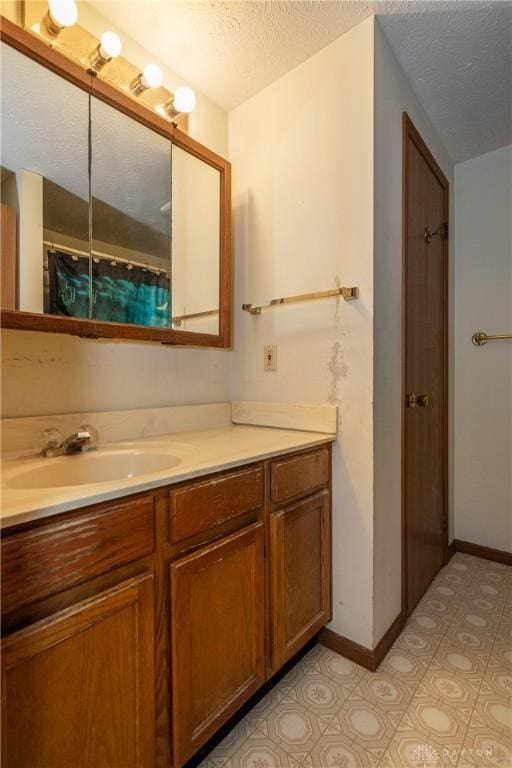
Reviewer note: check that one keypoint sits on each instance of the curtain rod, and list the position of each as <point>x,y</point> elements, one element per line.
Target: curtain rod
<point>105,257</point>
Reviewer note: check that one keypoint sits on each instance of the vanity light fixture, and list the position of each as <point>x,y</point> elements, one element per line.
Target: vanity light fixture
<point>61,14</point>
<point>150,78</point>
<point>109,48</point>
<point>183,101</point>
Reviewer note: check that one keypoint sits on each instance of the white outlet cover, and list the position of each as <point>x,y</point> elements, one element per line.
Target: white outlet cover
<point>270,357</point>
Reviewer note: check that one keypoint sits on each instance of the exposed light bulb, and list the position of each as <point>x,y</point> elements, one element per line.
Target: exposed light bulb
<point>110,45</point>
<point>61,13</point>
<point>184,99</point>
<point>151,77</point>
<point>109,48</point>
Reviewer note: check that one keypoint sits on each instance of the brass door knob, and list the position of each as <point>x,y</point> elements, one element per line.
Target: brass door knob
<point>421,401</point>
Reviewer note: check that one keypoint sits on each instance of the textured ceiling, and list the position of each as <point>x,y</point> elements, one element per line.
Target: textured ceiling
<point>456,54</point>
<point>459,61</point>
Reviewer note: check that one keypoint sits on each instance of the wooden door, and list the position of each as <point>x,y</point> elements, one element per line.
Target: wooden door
<point>300,581</point>
<point>78,688</point>
<point>424,446</point>
<point>218,635</point>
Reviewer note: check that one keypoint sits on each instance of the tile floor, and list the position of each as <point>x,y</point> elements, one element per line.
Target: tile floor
<point>441,697</point>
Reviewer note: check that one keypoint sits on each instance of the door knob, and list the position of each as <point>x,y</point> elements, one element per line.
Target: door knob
<point>441,231</point>
<point>421,401</point>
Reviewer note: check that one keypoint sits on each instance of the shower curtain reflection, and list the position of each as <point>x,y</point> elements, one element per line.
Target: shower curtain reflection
<point>120,294</point>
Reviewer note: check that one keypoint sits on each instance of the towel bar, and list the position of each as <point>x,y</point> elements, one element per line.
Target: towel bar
<point>347,293</point>
<point>480,338</point>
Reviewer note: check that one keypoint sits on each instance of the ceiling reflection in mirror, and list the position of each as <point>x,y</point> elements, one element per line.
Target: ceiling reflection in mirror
<point>44,159</point>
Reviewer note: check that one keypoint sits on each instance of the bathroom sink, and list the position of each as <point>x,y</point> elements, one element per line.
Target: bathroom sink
<point>91,468</point>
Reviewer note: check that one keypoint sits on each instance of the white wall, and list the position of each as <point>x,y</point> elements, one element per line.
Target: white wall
<point>393,96</point>
<point>48,373</point>
<point>483,376</point>
<point>195,241</point>
<point>302,154</point>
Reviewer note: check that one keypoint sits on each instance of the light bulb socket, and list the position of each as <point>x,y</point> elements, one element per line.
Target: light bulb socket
<point>137,86</point>
<point>170,109</point>
<point>97,59</point>
<point>167,111</point>
<point>53,26</point>
<point>150,78</point>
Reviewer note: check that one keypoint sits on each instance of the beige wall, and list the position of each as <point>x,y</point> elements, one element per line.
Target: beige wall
<point>302,154</point>
<point>48,373</point>
<point>483,376</point>
<point>393,96</point>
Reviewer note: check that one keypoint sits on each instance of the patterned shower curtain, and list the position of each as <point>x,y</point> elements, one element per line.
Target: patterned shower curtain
<point>137,296</point>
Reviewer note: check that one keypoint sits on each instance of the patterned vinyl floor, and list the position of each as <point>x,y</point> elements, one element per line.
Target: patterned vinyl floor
<point>441,697</point>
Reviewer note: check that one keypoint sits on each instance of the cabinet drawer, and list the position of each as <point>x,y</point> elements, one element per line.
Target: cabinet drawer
<point>40,562</point>
<point>198,507</point>
<point>299,475</point>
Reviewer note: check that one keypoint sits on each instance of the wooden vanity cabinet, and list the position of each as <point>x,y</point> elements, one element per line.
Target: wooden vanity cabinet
<point>134,629</point>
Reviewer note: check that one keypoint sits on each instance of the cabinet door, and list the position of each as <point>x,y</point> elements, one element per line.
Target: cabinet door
<point>300,581</point>
<point>218,630</point>
<point>78,688</point>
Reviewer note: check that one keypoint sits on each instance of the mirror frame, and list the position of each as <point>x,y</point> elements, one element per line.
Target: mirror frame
<point>57,62</point>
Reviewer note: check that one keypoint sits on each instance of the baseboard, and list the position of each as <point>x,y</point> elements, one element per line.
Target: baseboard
<point>451,551</point>
<point>353,651</point>
<point>365,657</point>
<point>487,553</point>
<point>388,639</point>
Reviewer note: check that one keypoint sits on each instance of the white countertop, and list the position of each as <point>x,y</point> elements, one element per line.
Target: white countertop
<point>200,452</point>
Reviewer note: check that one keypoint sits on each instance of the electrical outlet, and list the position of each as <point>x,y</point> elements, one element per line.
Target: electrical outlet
<point>270,357</point>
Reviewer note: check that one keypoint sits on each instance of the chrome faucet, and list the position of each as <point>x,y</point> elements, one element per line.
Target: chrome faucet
<point>79,442</point>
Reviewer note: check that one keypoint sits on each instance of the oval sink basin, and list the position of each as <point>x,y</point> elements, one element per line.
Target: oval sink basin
<point>89,468</point>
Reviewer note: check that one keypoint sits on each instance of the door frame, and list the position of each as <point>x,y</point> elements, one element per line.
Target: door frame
<point>411,135</point>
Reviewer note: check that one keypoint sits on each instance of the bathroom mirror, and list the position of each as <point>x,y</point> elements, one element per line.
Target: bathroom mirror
<point>121,221</point>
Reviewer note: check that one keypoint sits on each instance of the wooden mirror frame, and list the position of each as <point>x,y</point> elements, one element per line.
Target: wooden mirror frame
<point>57,62</point>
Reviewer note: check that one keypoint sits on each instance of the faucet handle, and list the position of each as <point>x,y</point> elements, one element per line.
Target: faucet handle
<point>51,439</point>
<point>93,436</point>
